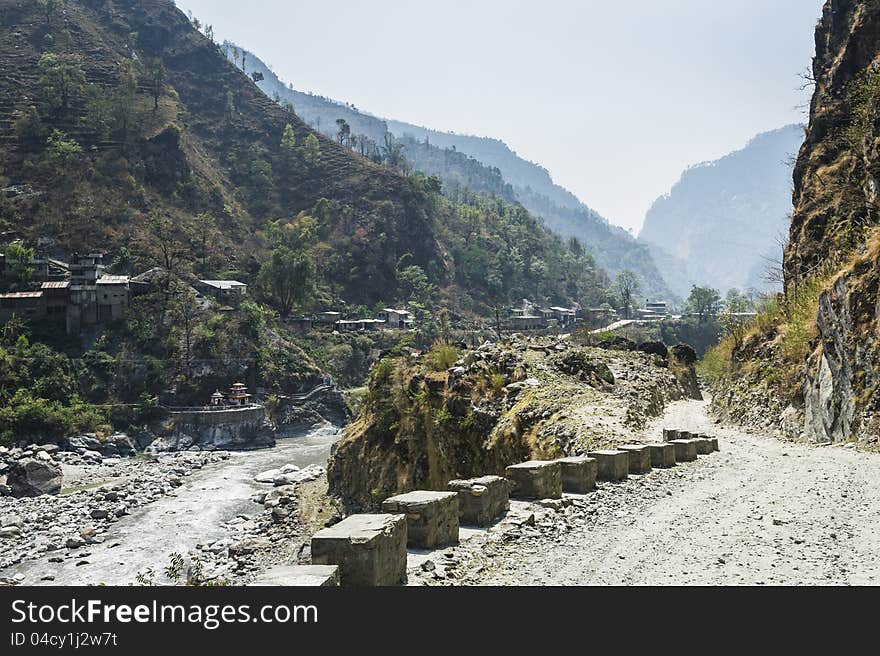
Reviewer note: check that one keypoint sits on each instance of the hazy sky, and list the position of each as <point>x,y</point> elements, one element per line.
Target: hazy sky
<point>615,99</point>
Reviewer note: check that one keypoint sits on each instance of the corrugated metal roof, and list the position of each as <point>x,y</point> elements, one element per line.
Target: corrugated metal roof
<point>22,295</point>
<point>56,284</point>
<point>223,284</point>
<point>112,280</point>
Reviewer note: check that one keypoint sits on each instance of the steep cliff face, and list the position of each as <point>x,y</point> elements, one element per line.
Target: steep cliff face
<point>834,226</point>
<point>827,324</point>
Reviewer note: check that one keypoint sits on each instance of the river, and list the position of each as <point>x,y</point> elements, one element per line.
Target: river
<point>194,513</point>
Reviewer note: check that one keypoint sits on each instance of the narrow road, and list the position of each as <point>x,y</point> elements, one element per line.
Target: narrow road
<point>761,511</point>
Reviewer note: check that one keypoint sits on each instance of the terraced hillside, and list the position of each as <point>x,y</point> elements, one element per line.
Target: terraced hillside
<point>116,116</point>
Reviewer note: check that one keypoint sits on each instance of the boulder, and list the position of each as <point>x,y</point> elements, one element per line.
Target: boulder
<point>654,348</point>
<point>30,477</point>
<point>685,354</point>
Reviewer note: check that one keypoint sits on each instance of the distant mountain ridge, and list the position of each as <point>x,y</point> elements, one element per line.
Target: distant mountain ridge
<point>613,248</point>
<point>723,222</point>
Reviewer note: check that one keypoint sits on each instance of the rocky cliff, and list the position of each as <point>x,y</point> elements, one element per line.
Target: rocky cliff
<point>453,414</point>
<point>824,330</point>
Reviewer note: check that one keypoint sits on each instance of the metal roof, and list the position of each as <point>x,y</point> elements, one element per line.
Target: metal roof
<point>22,295</point>
<point>223,284</point>
<point>112,280</point>
<point>56,284</point>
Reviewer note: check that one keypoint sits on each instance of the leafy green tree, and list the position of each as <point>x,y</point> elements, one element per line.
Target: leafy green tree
<point>414,285</point>
<point>60,150</point>
<point>20,258</point>
<point>29,128</point>
<point>626,288</point>
<point>288,139</point>
<point>61,79</point>
<point>312,150</point>
<point>703,301</point>
<point>736,302</point>
<point>287,279</point>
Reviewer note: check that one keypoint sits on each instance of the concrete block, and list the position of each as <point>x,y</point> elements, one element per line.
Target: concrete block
<point>481,500</point>
<point>670,434</point>
<point>536,479</point>
<point>370,550</point>
<point>662,454</point>
<point>579,474</point>
<point>298,576</point>
<point>704,445</point>
<point>685,450</point>
<point>613,464</point>
<point>714,441</point>
<point>431,517</point>
<point>639,458</point>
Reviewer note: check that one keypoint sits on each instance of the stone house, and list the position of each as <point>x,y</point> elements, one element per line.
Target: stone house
<point>223,290</point>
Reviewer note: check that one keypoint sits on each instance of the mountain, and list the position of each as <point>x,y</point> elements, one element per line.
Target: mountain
<point>612,247</point>
<point>92,158</point>
<point>810,364</point>
<point>724,221</point>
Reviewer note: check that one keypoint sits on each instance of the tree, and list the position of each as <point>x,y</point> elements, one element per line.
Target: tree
<point>392,152</point>
<point>20,257</point>
<point>50,8</point>
<point>61,79</point>
<point>205,229</point>
<point>184,311</point>
<point>627,286</point>
<point>244,54</point>
<point>286,279</point>
<point>29,128</point>
<point>312,150</point>
<point>156,80</point>
<point>736,302</point>
<point>343,134</point>
<point>703,301</point>
<point>256,76</point>
<point>60,150</point>
<point>288,139</point>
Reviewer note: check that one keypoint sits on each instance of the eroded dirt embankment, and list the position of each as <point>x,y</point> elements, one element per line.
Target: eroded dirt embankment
<point>458,414</point>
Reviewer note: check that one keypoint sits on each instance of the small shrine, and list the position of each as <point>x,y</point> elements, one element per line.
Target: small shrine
<point>238,395</point>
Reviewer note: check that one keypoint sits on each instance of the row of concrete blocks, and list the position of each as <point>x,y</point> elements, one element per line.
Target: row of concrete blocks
<point>370,549</point>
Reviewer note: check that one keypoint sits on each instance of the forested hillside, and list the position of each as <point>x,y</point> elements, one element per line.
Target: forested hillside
<point>125,130</point>
<point>440,153</point>
<point>148,127</point>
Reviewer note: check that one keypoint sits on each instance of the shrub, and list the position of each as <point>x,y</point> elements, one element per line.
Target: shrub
<point>441,357</point>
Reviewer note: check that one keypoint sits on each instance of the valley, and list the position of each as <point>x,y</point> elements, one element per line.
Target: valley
<point>251,335</point>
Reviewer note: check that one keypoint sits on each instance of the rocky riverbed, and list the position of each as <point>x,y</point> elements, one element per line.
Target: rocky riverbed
<point>119,519</point>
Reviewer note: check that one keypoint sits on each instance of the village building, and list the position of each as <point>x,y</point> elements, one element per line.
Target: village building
<point>657,307</point>
<point>222,290</point>
<point>399,319</point>
<point>328,317</point>
<point>527,322</point>
<point>87,298</point>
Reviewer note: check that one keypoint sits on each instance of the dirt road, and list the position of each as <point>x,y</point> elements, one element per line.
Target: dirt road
<point>761,511</point>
